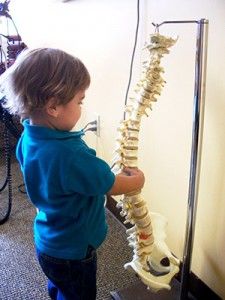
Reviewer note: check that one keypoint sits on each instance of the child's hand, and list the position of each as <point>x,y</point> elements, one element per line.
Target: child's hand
<point>132,172</point>
<point>129,180</point>
<point>137,173</point>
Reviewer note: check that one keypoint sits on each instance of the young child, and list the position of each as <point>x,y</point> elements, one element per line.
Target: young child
<point>64,179</point>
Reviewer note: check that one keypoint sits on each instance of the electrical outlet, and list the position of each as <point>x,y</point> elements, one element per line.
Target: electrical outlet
<point>97,118</point>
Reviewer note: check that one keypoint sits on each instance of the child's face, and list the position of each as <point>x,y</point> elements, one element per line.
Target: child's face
<point>70,113</point>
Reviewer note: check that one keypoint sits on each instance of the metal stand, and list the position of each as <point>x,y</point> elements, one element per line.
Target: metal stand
<point>9,49</point>
<point>197,132</point>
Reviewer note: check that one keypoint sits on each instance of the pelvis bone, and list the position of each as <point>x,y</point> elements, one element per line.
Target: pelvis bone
<point>149,267</point>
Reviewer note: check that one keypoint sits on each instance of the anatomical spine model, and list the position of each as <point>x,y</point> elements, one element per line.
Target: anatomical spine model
<point>147,235</point>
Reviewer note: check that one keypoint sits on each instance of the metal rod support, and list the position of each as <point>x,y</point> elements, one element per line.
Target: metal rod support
<point>197,132</point>
<point>175,22</point>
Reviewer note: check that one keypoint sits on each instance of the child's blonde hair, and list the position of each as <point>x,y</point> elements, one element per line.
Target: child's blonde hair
<point>39,75</point>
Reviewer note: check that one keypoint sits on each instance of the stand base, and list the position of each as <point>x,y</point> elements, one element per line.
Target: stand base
<point>140,292</point>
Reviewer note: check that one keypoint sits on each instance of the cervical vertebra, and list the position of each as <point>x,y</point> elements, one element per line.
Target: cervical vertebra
<point>147,235</point>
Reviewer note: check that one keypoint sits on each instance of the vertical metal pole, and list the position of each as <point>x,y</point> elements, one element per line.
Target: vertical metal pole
<point>197,131</point>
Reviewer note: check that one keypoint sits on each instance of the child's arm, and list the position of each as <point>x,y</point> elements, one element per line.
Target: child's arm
<point>131,179</point>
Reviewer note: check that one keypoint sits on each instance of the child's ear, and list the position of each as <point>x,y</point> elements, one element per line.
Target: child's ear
<point>52,108</point>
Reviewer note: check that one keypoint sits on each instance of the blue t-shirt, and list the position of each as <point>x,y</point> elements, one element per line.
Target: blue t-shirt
<point>66,182</point>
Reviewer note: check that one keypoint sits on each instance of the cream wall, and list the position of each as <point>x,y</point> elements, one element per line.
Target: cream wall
<point>101,33</point>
